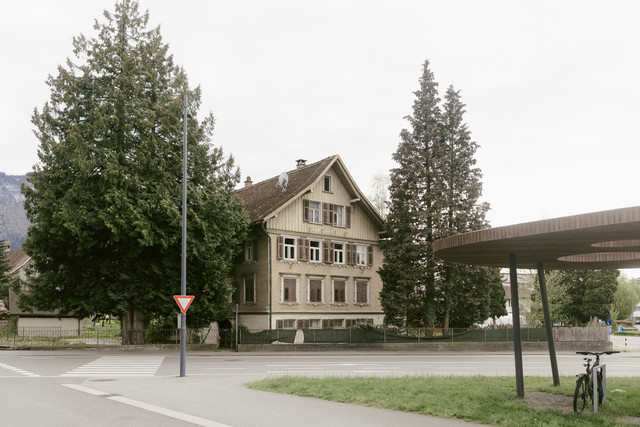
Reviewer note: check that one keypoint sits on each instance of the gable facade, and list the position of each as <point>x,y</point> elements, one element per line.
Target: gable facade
<point>311,260</point>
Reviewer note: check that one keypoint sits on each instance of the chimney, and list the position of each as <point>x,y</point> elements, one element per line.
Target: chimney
<point>248,182</point>
<point>300,163</point>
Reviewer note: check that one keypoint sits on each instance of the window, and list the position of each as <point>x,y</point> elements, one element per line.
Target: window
<point>327,184</point>
<point>289,290</point>
<point>314,251</point>
<point>362,291</point>
<point>354,322</point>
<point>315,290</point>
<point>286,324</point>
<point>250,250</point>
<point>250,289</point>
<point>314,212</point>
<point>308,323</point>
<point>290,248</point>
<point>338,253</point>
<point>339,291</point>
<point>338,215</point>
<point>332,323</point>
<point>361,255</point>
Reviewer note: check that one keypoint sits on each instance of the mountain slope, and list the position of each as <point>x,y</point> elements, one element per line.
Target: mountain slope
<point>13,219</point>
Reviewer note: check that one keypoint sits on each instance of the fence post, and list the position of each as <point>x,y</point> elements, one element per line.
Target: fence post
<point>384,335</point>
<point>349,335</point>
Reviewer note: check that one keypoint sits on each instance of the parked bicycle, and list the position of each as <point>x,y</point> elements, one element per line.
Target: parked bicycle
<point>584,383</point>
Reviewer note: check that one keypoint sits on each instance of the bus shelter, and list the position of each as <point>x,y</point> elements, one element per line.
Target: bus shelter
<point>598,240</point>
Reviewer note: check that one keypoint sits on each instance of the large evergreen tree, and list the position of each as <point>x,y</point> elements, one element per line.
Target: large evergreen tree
<point>105,200</point>
<point>435,193</point>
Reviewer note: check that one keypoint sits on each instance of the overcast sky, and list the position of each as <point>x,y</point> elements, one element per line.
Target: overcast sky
<point>551,87</point>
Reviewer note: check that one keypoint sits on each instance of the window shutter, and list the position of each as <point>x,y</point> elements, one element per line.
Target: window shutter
<point>305,210</point>
<point>280,251</point>
<point>279,324</point>
<point>332,214</point>
<point>303,249</point>
<point>326,214</point>
<point>326,252</point>
<point>347,217</point>
<point>370,256</point>
<point>350,250</point>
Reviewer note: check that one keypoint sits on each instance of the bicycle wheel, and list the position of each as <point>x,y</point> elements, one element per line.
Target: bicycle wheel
<point>581,394</point>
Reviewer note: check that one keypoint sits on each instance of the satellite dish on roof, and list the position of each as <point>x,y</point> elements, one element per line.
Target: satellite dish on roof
<point>283,180</point>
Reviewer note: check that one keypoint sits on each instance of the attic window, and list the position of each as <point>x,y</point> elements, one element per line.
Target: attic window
<point>327,184</point>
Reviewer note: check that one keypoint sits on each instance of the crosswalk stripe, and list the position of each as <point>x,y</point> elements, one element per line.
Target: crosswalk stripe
<point>18,370</point>
<point>118,366</point>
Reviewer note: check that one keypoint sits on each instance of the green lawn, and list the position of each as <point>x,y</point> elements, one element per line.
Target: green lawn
<point>487,400</point>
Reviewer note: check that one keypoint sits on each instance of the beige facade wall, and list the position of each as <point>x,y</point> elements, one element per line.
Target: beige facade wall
<point>270,307</point>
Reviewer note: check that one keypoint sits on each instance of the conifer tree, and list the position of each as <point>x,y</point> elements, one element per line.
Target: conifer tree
<point>435,193</point>
<point>4,269</point>
<point>105,200</point>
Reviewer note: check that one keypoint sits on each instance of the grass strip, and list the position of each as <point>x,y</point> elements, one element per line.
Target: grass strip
<point>487,400</point>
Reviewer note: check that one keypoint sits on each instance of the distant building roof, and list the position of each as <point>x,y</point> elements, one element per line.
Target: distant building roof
<point>17,259</point>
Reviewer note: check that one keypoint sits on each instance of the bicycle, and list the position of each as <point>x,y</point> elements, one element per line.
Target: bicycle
<point>584,383</point>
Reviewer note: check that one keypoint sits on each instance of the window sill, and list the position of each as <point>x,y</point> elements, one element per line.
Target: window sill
<point>316,304</point>
<point>289,303</point>
<point>342,304</point>
<point>362,304</point>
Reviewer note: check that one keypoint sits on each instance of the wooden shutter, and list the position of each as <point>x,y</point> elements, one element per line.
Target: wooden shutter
<point>279,324</point>
<point>347,216</point>
<point>326,214</point>
<point>326,258</point>
<point>350,254</point>
<point>305,210</point>
<point>303,249</point>
<point>280,248</point>
<point>370,256</point>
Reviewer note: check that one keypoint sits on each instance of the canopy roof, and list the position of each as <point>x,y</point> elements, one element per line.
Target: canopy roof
<point>599,240</point>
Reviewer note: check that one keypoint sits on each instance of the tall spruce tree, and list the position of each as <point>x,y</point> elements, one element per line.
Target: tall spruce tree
<point>105,197</point>
<point>435,193</point>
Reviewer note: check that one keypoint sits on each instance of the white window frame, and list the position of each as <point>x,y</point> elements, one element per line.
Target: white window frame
<point>333,290</point>
<point>317,251</point>
<point>244,289</point>
<point>355,293</point>
<point>321,280</point>
<point>361,255</point>
<point>315,213</point>
<point>339,254</point>
<point>338,215</point>
<point>297,288</point>
<point>289,249</point>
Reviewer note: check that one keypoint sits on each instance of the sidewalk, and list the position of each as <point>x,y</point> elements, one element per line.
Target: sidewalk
<point>226,402</point>
<point>625,343</point>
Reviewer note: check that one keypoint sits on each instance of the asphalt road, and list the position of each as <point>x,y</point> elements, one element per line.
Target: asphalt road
<point>70,388</point>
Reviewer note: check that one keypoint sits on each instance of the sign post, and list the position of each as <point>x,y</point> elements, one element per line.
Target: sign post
<point>183,301</point>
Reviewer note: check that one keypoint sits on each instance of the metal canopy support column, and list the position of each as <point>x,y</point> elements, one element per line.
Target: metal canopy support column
<point>517,344</point>
<point>547,324</point>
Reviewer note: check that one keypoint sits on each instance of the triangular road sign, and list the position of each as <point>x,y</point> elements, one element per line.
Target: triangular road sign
<point>184,301</point>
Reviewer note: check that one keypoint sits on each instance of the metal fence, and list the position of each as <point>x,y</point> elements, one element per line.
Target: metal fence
<point>56,337</point>
<point>382,335</point>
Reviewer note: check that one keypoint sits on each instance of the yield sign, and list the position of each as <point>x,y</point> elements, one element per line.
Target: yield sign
<point>184,301</point>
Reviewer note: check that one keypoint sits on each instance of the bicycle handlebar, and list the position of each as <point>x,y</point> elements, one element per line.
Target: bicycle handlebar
<point>586,353</point>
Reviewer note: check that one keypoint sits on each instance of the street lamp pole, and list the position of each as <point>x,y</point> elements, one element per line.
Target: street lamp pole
<point>183,269</point>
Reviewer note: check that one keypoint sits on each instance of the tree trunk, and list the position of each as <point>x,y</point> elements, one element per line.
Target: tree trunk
<point>132,328</point>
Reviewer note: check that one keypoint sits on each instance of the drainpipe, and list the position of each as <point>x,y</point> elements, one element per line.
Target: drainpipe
<point>268,270</point>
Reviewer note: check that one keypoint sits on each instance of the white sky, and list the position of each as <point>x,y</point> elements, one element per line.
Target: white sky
<point>551,88</point>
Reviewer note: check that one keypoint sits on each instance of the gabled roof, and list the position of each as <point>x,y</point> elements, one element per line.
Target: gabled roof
<point>17,259</point>
<point>265,199</point>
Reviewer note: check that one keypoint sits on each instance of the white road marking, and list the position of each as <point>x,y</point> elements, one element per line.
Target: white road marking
<point>118,366</point>
<point>147,407</point>
<point>19,371</point>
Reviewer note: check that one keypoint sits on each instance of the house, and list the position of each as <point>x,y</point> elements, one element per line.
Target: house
<point>30,321</point>
<point>313,253</point>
